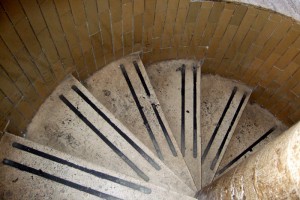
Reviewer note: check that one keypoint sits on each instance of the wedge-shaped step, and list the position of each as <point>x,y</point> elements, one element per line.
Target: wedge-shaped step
<point>124,88</point>
<point>32,171</point>
<point>73,121</point>
<point>177,86</point>
<point>256,127</point>
<point>222,104</point>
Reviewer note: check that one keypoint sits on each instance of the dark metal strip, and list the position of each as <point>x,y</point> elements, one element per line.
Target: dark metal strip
<point>206,150</point>
<point>139,172</point>
<point>195,139</point>
<point>132,143</point>
<point>56,179</point>
<point>183,110</point>
<point>166,134</point>
<point>98,174</point>
<point>246,150</point>
<point>214,162</point>
<point>136,66</point>
<point>140,108</point>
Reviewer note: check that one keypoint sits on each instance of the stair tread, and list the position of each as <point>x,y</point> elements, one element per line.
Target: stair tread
<point>133,101</point>
<point>166,78</point>
<point>253,124</point>
<point>217,93</point>
<point>91,181</point>
<point>57,126</point>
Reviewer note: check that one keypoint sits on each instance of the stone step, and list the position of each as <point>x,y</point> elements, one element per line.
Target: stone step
<point>32,171</point>
<point>256,128</point>
<point>124,88</point>
<point>177,86</point>
<point>71,120</point>
<point>222,104</point>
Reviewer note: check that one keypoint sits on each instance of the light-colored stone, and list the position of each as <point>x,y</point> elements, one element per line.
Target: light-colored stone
<point>253,124</point>
<point>215,93</point>
<point>271,173</point>
<point>166,80</point>
<point>110,87</point>
<point>290,8</point>
<point>16,184</point>
<point>56,126</point>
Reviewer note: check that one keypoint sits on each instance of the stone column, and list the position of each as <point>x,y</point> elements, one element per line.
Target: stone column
<point>271,173</point>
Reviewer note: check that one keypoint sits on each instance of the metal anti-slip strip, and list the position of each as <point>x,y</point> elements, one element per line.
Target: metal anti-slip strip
<point>136,66</point>
<point>98,174</point>
<point>214,162</point>
<point>56,179</point>
<point>166,134</point>
<point>140,108</point>
<point>246,150</point>
<point>183,110</point>
<point>139,172</point>
<point>206,150</point>
<point>195,139</point>
<point>161,123</point>
<point>132,143</point>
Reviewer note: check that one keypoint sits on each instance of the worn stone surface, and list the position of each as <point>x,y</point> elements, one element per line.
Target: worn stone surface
<point>254,123</point>
<point>110,87</point>
<point>16,184</point>
<point>271,173</point>
<point>166,80</point>
<point>287,7</point>
<point>215,93</point>
<point>56,126</point>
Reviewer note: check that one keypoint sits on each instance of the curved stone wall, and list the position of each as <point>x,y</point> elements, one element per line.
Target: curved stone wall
<point>289,8</point>
<point>43,41</point>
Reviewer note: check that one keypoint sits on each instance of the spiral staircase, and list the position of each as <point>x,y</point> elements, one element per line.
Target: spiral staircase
<point>130,132</point>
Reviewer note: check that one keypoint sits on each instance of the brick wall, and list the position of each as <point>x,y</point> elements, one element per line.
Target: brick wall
<point>42,41</point>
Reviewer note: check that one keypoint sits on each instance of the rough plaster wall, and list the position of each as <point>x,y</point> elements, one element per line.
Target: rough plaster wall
<point>287,7</point>
<point>43,41</point>
<point>271,173</point>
